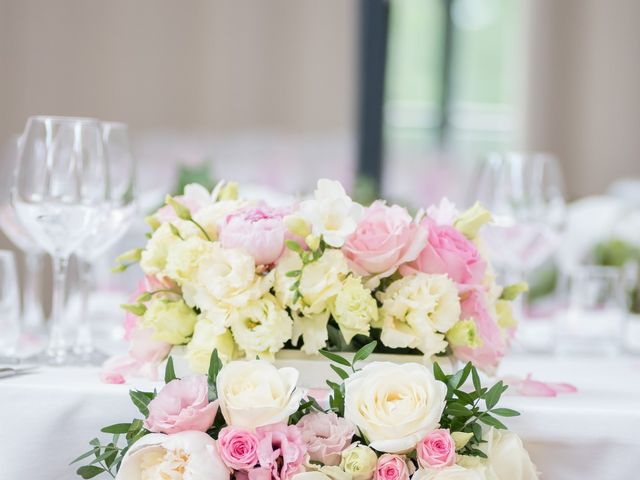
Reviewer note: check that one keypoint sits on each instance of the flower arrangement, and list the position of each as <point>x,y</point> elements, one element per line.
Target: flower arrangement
<point>249,279</point>
<point>249,420</point>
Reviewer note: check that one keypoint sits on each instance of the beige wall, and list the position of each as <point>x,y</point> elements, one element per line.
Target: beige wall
<point>584,88</point>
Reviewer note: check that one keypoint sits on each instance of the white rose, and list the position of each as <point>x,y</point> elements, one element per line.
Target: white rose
<point>261,326</point>
<point>507,457</point>
<point>417,310</point>
<point>454,472</point>
<point>394,405</point>
<point>331,213</point>
<point>354,309</point>
<point>225,277</point>
<point>254,393</point>
<point>160,456</point>
<point>154,257</point>
<point>359,461</point>
<point>209,336</point>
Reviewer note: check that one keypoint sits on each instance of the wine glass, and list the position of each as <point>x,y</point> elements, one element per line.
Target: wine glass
<point>32,317</point>
<point>60,190</point>
<point>119,213</point>
<point>525,194</point>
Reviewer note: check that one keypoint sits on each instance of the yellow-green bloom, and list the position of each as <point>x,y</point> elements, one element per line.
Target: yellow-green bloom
<point>464,334</point>
<point>208,336</point>
<point>360,461</point>
<point>511,292</point>
<point>461,439</point>
<point>172,321</point>
<point>504,311</point>
<point>355,309</point>
<point>229,191</point>
<point>469,222</point>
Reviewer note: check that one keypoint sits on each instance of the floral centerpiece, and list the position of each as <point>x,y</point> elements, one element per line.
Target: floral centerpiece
<point>249,420</point>
<point>249,279</point>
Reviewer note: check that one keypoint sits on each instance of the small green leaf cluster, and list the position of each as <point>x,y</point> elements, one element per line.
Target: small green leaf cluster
<point>464,412</point>
<point>307,257</point>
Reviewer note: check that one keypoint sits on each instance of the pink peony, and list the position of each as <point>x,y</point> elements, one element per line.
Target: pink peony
<point>391,467</point>
<point>436,450</point>
<point>384,239</point>
<point>281,452</point>
<point>238,448</point>
<point>259,231</point>
<point>493,343</point>
<point>449,252</point>
<point>326,436</point>
<point>182,404</point>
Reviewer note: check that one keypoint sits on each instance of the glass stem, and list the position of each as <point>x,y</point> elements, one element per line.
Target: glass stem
<point>32,315</point>
<point>84,341</point>
<point>56,350</point>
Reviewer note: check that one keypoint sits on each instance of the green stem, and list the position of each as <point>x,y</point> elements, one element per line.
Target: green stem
<point>204,232</point>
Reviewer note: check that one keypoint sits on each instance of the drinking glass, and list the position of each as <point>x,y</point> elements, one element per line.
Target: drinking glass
<point>596,311</point>
<point>119,213</point>
<point>60,191</point>
<point>525,194</point>
<point>32,317</point>
<point>9,308</point>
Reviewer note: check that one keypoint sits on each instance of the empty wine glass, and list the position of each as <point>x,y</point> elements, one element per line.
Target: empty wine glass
<point>9,308</point>
<point>525,194</point>
<point>60,190</point>
<point>32,318</point>
<point>120,211</point>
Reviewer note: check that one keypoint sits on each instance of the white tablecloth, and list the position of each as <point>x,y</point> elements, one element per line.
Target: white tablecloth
<point>47,418</point>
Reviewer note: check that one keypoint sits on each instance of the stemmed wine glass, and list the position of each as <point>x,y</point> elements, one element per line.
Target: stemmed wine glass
<point>525,193</point>
<point>59,193</point>
<point>32,317</point>
<point>119,213</point>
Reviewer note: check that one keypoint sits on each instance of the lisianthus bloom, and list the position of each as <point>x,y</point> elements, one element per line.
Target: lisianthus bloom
<point>436,450</point>
<point>354,309</point>
<point>172,321</point>
<point>258,231</point>
<point>448,251</point>
<point>238,447</point>
<point>326,436</point>
<point>209,335</point>
<point>181,405</point>
<point>385,238</point>
<point>281,452</point>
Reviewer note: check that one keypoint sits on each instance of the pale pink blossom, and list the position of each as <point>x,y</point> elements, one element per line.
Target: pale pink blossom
<point>436,450</point>
<point>326,436</point>
<point>182,404</point>
<point>238,448</point>
<point>281,452</point>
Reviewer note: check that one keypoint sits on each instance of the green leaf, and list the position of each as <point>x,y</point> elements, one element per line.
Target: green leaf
<point>341,373</point>
<point>458,410</point>
<point>493,395</point>
<point>477,384</point>
<point>89,471</point>
<point>294,273</point>
<point>459,377</point>
<point>137,309</point>
<point>293,245</point>
<point>476,453</point>
<point>145,297</point>
<point>364,352</point>
<point>438,373</point>
<point>215,365</point>
<point>477,431</point>
<point>82,457</point>
<point>169,372</point>
<point>336,358</point>
<point>116,428</point>
<point>140,400</point>
<point>492,421</point>
<point>464,396</point>
<point>505,412</point>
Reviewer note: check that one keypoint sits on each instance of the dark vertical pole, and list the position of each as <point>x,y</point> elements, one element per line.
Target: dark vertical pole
<point>374,19</point>
<point>447,74</point>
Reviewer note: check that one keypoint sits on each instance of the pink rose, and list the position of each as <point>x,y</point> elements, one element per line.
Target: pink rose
<point>281,452</point>
<point>436,450</point>
<point>493,343</point>
<point>384,239</point>
<point>449,252</point>
<point>183,404</point>
<point>238,448</point>
<point>326,436</point>
<point>391,467</point>
<point>259,231</point>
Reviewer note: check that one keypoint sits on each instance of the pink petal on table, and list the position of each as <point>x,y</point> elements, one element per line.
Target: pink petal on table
<point>528,387</point>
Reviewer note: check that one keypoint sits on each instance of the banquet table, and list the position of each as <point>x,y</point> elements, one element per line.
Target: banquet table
<point>48,416</point>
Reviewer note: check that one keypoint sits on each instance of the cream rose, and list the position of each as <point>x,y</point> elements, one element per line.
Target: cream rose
<point>158,455</point>
<point>394,405</point>
<point>261,327</point>
<point>507,457</point>
<point>417,310</point>
<point>359,461</point>
<point>254,393</point>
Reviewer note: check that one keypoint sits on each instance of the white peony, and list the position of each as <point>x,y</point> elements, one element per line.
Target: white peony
<point>394,405</point>
<point>332,214</point>
<point>189,454</point>
<point>507,457</point>
<point>254,393</point>
<point>417,310</point>
<point>261,327</point>
<point>454,472</point>
<point>153,259</point>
